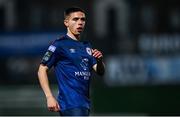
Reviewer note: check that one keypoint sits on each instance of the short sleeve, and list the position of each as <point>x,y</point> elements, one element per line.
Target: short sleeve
<point>93,59</point>
<point>50,57</point>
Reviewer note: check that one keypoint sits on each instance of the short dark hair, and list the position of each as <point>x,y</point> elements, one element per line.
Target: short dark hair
<point>70,10</point>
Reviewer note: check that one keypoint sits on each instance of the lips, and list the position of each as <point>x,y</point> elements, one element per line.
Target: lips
<point>80,29</point>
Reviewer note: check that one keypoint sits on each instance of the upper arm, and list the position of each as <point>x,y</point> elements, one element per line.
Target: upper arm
<point>42,68</point>
<point>99,68</point>
<point>95,67</point>
<point>50,57</point>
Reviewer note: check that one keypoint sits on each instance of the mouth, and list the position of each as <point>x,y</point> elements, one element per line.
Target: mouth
<point>79,29</point>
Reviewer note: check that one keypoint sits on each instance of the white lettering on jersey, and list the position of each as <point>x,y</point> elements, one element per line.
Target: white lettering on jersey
<point>86,75</point>
<point>52,48</point>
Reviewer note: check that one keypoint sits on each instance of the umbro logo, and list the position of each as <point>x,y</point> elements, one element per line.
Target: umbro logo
<point>72,50</point>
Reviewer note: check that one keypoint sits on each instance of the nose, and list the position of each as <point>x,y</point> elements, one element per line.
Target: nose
<point>80,22</point>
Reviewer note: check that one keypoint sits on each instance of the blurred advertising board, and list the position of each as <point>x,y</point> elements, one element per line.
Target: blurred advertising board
<point>17,44</point>
<point>136,70</point>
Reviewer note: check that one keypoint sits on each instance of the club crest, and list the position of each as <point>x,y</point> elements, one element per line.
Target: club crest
<point>88,50</point>
<point>84,63</point>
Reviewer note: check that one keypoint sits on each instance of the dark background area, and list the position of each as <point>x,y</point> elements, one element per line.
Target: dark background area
<point>140,40</point>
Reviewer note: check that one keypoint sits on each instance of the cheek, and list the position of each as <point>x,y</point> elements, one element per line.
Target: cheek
<point>84,23</point>
<point>72,26</point>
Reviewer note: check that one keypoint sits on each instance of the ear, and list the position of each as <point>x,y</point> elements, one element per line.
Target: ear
<point>66,22</point>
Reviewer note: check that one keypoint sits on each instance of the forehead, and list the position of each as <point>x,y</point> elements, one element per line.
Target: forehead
<point>77,14</point>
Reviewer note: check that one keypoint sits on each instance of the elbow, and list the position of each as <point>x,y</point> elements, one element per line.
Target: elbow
<point>100,70</point>
<point>39,72</point>
<point>42,69</point>
<point>101,73</point>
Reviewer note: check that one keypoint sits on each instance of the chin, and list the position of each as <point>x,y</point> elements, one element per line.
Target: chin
<point>78,33</point>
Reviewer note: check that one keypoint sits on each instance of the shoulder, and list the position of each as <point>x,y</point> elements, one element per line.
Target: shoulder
<point>59,40</point>
<point>87,43</point>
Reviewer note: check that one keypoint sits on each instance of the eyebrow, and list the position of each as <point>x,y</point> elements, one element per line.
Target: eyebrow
<point>83,18</point>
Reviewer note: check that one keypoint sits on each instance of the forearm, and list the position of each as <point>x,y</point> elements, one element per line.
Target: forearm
<point>43,79</point>
<point>100,68</point>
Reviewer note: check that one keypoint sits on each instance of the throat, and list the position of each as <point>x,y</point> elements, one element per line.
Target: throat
<point>74,37</point>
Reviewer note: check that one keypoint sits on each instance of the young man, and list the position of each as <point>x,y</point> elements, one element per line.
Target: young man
<point>73,61</point>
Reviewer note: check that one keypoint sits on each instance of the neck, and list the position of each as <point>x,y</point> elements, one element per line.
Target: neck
<point>74,37</point>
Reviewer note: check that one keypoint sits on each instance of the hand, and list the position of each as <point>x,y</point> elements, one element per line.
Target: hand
<point>52,104</point>
<point>97,54</point>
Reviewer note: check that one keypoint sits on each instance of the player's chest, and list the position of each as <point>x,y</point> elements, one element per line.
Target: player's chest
<point>77,52</point>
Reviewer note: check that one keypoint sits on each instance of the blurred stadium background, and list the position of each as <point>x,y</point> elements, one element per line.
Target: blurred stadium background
<point>140,40</point>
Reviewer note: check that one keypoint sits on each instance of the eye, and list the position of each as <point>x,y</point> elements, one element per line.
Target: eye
<point>75,19</point>
<point>83,19</point>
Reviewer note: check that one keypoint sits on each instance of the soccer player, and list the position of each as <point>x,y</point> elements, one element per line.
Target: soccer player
<point>73,61</point>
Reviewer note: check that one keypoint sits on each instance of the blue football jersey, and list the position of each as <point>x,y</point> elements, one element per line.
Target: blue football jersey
<point>73,63</point>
